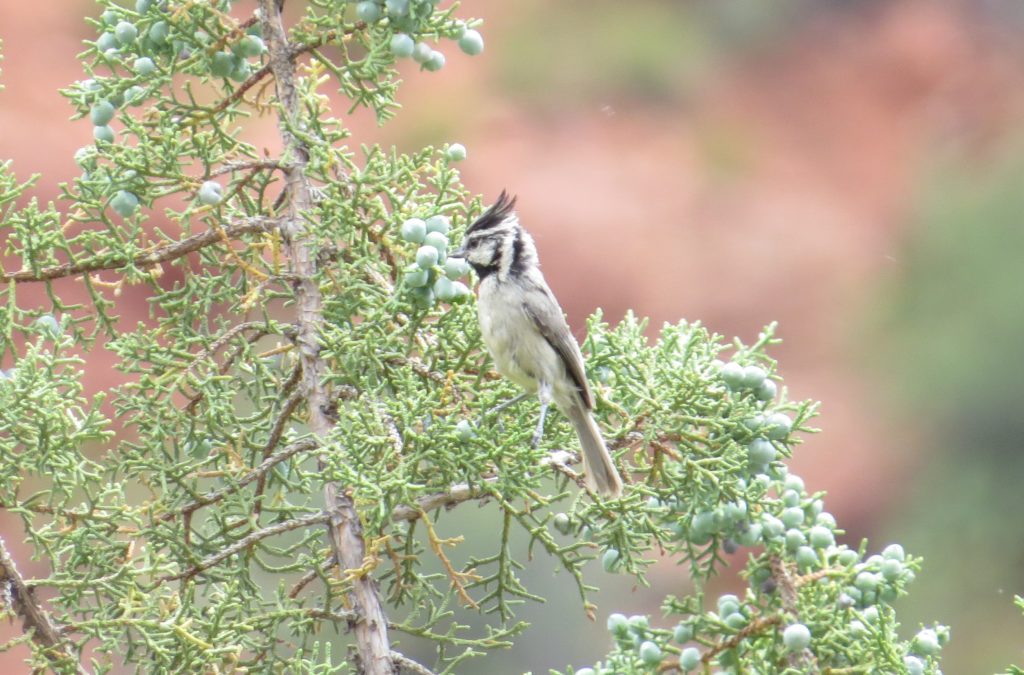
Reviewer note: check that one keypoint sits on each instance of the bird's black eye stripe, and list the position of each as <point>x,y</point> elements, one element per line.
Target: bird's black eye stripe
<point>518,265</point>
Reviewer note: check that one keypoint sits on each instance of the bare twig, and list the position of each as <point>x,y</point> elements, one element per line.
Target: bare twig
<point>346,532</point>
<point>247,541</point>
<point>451,497</point>
<point>560,460</point>
<point>310,575</point>
<point>33,618</point>
<point>248,166</point>
<point>268,464</point>
<point>276,431</point>
<point>406,665</point>
<point>154,257</point>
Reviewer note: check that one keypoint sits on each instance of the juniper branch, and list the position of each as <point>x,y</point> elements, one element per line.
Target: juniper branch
<point>345,527</point>
<point>148,259</point>
<point>34,619</point>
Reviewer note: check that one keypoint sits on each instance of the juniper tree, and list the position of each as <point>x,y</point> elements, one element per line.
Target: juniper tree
<point>276,485</point>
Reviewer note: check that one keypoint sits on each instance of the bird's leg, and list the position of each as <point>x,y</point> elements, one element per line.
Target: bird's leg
<point>507,404</point>
<point>544,392</point>
<point>501,406</point>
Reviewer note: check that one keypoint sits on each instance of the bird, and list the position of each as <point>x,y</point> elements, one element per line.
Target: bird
<point>526,333</point>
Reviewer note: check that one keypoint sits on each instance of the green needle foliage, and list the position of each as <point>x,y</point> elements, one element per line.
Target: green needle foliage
<point>308,396</point>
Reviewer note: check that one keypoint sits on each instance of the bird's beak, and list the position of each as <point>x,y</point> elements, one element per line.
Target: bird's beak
<point>460,252</point>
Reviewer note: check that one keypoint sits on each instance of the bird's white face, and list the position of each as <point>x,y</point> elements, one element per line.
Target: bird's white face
<point>482,250</point>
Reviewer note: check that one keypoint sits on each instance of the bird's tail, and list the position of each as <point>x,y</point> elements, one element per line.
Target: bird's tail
<point>599,470</point>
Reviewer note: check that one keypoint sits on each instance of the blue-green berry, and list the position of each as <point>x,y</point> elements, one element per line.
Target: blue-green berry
<point>142,6</point>
<point>210,193</point>
<point>848,557</point>
<point>894,552</point>
<point>866,581</point>
<point>791,498</point>
<point>125,32</point>
<point>689,658</point>
<point>732,375</point>
<point>821,537</point>
<point>421,52</point>
<point>106,42</point>
<point>144,66</point>
<point>751,536</point>
<point>617,623</point>
<point>914,665</point>
<point>159,32</point>
<point>584,671</point>
<point>456,268</point>
<point>134,94</point>
<point>48,325</point>
<point>444,289</point>
<point>250,45</point>
<point>793,516</point>
<point>794,482</point>
<point>926,643</point>
<point>761,451</point>
<point>892,569</point>
<point>754,423</point>
<point>806,557</point>
<point>650,653</point>
<point>397,7</point>
<point>773,527</point>
<point>439,242</point>
<point>439,224</point>
<point>794,539</point>
<point>563,524</point>
<point>766,391</point>
<point>435,62</point>
<point>826,519</point>
<point>102,113</point>
<point>464,430</point>
<point>103,132</point>
<point>703,523</point>
<point>402,45</point>
<point>639,623</point>
<point>124,203</point>
<point>456,152</point>
<point>368,11</point>
<point>779,426</point>
<point>223,63</point>
<point>753,376</point>
<point>414,230</point>
<point>471,42</point>
<point>728,604</point>
<point>110,17</point>
<point>682,633</point>
<point>796,637</point>
<point>426,256</point>
<point>460,292</point>
<point>241,71</point>
<point>611,561</point>
<point>416,276</point>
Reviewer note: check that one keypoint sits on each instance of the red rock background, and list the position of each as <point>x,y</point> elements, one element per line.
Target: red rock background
<point>713,161</point>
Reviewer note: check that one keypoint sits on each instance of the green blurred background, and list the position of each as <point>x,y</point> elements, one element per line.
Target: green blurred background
<point>853,169</point>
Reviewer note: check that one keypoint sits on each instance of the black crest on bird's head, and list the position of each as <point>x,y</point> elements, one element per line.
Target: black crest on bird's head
<point>494,216</point>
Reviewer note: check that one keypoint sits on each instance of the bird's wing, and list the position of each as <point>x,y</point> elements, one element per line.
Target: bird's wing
<point>543,309</point>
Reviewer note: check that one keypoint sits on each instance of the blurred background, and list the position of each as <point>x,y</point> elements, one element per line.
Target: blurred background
<point>850,168</point>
